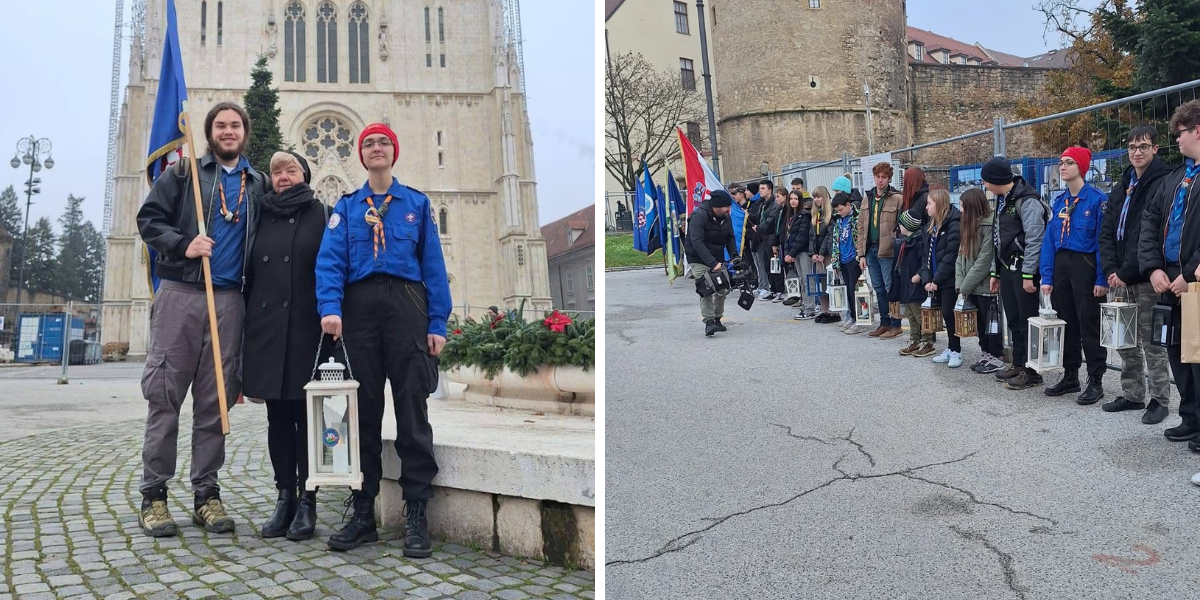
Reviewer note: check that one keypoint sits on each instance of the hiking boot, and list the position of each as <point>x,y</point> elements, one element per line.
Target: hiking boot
<point>710,327</point>
<point>281,519</point>
<point>1182,433</point>
<point>926,349</point>
<point>1067,385</point>
<point>1027,378</point>
<point>305,523</point>
<point>1155,413</point>
<point>1093,393</point>
<point>416,530</point>
<point>882,329</point>
<point>361,527</point>
<point>892,332</point>
<point>1122,403</point>
<point>720,327</point>
<point>210,514</point>
<point>155,519</point>
<point>910,348</point>
<point>1009,373</point>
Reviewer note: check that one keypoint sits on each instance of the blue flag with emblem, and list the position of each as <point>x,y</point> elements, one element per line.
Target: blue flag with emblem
<point>675,208</point>
<point>647,234</point>
<point>166,130</point>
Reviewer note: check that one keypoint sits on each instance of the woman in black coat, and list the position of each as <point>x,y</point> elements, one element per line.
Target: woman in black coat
<point>939,250</point>
<point>282,331</point>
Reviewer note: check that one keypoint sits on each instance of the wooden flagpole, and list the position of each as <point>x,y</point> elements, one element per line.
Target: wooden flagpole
<point>208,288</point>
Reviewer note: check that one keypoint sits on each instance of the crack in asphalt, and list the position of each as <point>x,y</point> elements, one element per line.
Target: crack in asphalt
<point>800,437</point>
<point>862,450</point>
<point>678,543</point>
<point>976,500</point>
<point>1006,559</point>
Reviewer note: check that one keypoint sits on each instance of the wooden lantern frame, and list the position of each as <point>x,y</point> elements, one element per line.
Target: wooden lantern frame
<point>931,316</point>
<point>317,392</point>
<point>863,304</point>
<point>1047,334</point>
<point>1118,324</point>
<point>966,318</point>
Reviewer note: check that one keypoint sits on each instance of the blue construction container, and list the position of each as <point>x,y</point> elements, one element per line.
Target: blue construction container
<point>40,336</point>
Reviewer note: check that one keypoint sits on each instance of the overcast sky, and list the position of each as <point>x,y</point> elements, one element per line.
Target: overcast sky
<point>57,73</point>
<point>1010,26</point>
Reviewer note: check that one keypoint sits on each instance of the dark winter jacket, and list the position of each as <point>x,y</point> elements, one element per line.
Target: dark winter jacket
<point>818,232</point>
<point>282,326</point>
<point>770,223</point>
<point>945,251</point>
<point>1021,222</point>
<point>708,236</point>
<point>1154,227</point>
<point>920,198</point>
<point>753,215</point>
<point>167,219</point>
<point>799,230</point>
<point>1121,256</point>
<point>906,264</point>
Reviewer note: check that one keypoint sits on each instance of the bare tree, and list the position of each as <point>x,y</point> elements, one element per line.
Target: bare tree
<point>642,108</point>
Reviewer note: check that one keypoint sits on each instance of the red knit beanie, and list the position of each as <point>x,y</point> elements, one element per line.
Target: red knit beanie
<point>1082,157</point>
<point>385,130</point>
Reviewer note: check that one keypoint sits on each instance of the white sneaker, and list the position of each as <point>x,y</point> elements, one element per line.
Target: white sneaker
<point>847,325</point>
<point>944,357</point>
<point>1196,479</point>
<point>856,329</point>
<point>955,360</point>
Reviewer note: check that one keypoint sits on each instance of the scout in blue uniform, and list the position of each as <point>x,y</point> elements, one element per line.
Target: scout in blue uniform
<point>1073,275</point>
<point>381,281</point>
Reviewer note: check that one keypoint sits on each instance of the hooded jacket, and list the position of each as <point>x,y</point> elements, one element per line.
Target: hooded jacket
<point>1020,224</point>
<point>971,272</point>
<point>799,228</point>
<point>889,212</point>
<point>1151,254</point>
<point>938,267</point>
<point>708,236</point>
<point>1121,256</point>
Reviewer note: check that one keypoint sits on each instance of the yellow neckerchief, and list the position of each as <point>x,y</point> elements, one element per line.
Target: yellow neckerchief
<point>241,195</point>
<point>877,208</point>
<point>374,218</point>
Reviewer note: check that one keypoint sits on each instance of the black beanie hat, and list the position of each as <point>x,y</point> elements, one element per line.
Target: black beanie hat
<point>997,171</point>
<point>720,199</point>
<point>303,167</point>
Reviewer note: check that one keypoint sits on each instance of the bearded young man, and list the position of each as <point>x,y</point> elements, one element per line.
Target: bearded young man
<point>181,345</point>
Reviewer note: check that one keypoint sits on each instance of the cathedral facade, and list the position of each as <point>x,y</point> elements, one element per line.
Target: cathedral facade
<point>444,75</point>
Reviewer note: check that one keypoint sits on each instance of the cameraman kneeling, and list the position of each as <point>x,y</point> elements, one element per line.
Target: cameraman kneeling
<point>709,234</point>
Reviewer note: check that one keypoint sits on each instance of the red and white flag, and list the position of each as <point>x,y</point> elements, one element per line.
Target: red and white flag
<point>701,181</point>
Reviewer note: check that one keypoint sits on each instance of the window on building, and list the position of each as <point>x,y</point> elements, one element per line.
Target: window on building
<point>203,23</point>
<point>441,159</point>
<point>570,283</point>
<point>428,38</point>
<point>681,20</point>
<point>443,60</point>
<point>443,228</point>
<point>220,20</point>
<point>326,43</point>
<point>439,140</point>
<point>591,279</point>
<point>920,53</point>
<point>358,36</point>
<point>693,133</point>
<point>325,133</point>
<point>687,74</point>
<point>293,42</point>
<point>814,3</point>
<point>441,26</point>
<point>428,59</point>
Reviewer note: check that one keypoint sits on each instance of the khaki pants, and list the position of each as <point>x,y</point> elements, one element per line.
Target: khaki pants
<point>1145,365</point>
<point>712,307</point>
<point>914,325</point>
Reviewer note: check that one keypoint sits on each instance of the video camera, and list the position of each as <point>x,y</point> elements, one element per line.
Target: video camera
<point>738,275</point>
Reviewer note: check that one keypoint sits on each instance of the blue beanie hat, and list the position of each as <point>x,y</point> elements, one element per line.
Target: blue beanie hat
<point>841,184</point>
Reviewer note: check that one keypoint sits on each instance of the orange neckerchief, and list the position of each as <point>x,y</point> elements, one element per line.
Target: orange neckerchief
<point>375,220</point>
<point>241,195</point>
<point>1066,228</point>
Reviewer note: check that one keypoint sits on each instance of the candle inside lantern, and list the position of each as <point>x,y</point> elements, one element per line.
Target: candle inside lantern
<point>335,447</point>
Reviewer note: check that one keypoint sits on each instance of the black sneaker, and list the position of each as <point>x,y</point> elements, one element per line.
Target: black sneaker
<point>791,301</point>
<point>1122,403</point>
<point>1009,373</point>
<point>1155,413</point>
<point>991,366</point>
<point>1027,378</point>
<point>979,363</point>
<point>1182,433</point>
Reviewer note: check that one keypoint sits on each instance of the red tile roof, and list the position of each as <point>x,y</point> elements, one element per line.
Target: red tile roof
<point>558,233</point>
<point>610,7</point>
<point>933,42</point>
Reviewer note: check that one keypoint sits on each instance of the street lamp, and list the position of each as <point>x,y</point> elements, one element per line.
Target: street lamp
<point>30,150</point>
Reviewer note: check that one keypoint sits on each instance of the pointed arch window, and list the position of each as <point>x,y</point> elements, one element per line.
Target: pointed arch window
<point>293,42</point>
<point>326,43</point>
<point>428,40</point>
<point>442,35</point>
<point>443,222</point>
<point>203,22</point>
<point>358,34</point>
<point>220,21</point>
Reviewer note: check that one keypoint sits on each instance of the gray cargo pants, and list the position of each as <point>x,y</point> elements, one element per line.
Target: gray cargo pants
<point>1155,372</point>
<point>712,307</point>
<point>180,356</point>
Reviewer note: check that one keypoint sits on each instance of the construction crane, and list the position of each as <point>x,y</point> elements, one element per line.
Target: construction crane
<point>113,109</point>
<point>512,22</point>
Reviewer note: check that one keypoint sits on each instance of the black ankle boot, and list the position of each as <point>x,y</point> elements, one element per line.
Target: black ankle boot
<point>361,528</point>
<point>1093,393</point>
<point>1067,385</point>
<point>416,530</point>
<point>710,327</point>
<point>305,522</point>
<point>720,327</point>
<point>285,510</point>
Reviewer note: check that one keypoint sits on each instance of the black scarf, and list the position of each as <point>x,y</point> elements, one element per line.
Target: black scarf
<point>290,202</point>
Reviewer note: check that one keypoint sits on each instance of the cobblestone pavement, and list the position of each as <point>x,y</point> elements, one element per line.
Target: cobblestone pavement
<point>70,531</point>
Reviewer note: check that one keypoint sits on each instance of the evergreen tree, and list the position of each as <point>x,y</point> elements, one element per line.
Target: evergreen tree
<point>72,264</point>
<point>93,276</point>
<point>1162,39</point>
<point>11,221</point>
<point>40,269</point>
<point>262,104</point>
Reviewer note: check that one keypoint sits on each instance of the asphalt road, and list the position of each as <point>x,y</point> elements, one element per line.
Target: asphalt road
<point>784,459</point>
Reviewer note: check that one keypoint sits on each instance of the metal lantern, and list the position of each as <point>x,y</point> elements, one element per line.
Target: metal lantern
<point>864,307</point>
<point>838,302</point>
<point>792,286</point>
<point>1163,325</point>
<point>931,316</point>
<point>1118,323</point>
<point>816,284</point>
<point>966,318</point>
<point>333,444</point>
<point>776,267</point>
<point>992,325</point>
<point>1046,333</point>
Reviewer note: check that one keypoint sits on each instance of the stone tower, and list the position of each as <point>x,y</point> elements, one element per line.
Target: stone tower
<point>791,84</point>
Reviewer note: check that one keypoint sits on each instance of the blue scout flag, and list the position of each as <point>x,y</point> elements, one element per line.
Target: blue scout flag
<point>676,209</point>
<point>646,236</point>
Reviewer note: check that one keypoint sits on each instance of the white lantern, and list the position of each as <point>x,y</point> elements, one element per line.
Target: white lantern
<point>1118,323</point>
<point>838,301</point>
<point>333,444</point>
<point>864,307</point>
<point>1046,333</point>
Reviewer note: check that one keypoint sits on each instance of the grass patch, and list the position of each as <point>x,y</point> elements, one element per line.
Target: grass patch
<point>619,252</point>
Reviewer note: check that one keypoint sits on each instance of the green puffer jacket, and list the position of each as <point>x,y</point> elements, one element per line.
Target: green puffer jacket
<point>972,275</point>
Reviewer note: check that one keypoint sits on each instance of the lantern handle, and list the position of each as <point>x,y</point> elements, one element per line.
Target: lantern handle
<point>1044,301</point>
<point>345,354</point>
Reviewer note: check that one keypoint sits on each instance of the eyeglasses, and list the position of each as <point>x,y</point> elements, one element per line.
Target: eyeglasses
<point>1140,148</point>
<point>384,143</point>
<point>1066,162</point>
<point>1179,134</point>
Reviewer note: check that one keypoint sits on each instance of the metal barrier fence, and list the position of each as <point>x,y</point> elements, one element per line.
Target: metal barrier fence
<point>618,211</point>
<point>51,334</point>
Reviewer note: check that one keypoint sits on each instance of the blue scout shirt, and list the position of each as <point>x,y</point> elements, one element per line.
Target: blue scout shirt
<point>1178,206</point>
<point>229,237</point>
<point>1074,225</point>
<point>412,250</point>
<point>847,249</point>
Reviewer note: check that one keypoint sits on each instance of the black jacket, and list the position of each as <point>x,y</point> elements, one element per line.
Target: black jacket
<point>754,215</point>
<point>798,229</point>
<point>945,253</point>
<point>919,198</point>
<point>906,264</point>
<point>818,232</point>
<point>708,236</point>
<point>167,219</point>
<point>1154,221</point>
<point>856,197</point>
<point>769,224</point>
<point>1122,257</point>
<point>282,324</point>
<point>1021,221</point>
